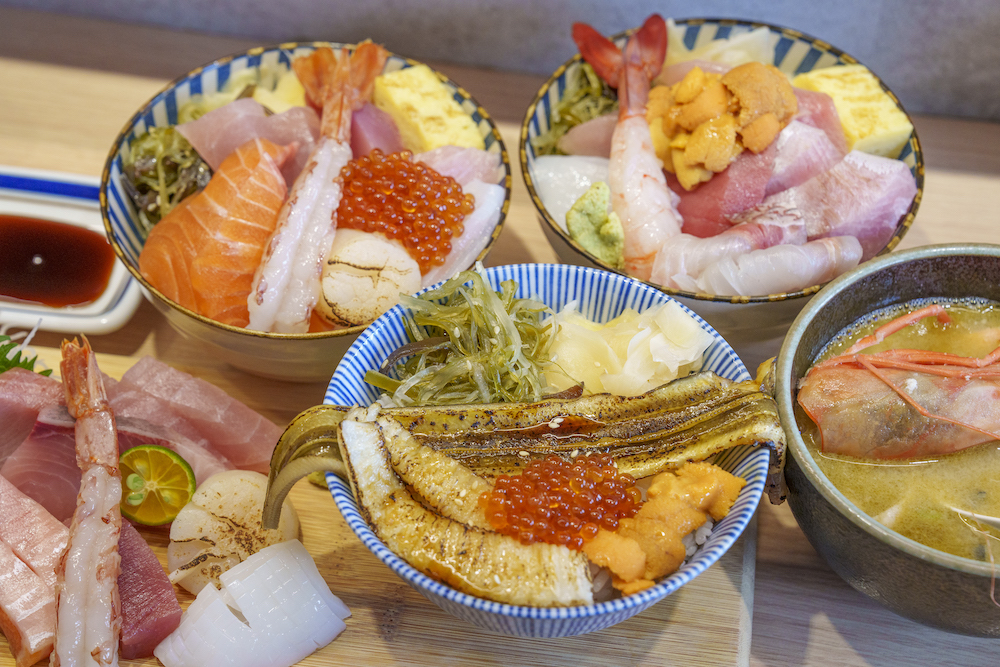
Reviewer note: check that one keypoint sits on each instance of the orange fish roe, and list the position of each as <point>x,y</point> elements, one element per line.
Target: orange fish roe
<point>404,200</point>
<point>561,502</point>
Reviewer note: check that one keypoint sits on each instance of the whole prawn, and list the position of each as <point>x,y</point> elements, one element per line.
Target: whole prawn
<point>639,193</point>
<point>903,403</point>
<point>88,613</point>
<point>286,284</point>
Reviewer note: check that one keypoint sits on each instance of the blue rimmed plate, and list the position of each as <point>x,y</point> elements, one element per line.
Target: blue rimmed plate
<point>302,357</point>
<point>754,325</point>
<point>69,199</point>
<point>601,296</point>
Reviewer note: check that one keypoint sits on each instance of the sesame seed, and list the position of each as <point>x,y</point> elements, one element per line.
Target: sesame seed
<point>523,454</point>
<point>575,453</point>
<point>461,494</point>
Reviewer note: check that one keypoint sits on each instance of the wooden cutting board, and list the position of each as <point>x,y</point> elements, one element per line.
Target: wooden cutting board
<point>706,622</point>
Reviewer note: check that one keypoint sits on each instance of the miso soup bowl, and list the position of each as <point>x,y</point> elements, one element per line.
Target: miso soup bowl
<point>912,580</point>
<point>306,357</point>
<point>754,325</point>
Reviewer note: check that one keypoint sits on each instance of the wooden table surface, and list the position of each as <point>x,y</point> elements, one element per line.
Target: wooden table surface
<point>68,84</point>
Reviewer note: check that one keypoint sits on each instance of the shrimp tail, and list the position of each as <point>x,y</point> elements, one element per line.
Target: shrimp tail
<point>339,85</point>
<point>606,58</point>
<point>599,52</point>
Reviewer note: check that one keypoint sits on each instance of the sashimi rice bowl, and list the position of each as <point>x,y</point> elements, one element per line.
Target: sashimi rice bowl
<point>273,203</point>
<point>736,166</point>
<point>513,510</point>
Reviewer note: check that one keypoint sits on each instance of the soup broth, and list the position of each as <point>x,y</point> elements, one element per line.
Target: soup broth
<point>917,498</point>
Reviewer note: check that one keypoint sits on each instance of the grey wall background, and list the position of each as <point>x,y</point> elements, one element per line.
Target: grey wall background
<point>939,56</point>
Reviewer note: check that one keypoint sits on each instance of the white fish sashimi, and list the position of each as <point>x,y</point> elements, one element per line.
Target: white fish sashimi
<point>783,268</point>
<point>562,179</point>
<point>287,282</point>
<point>274,609</point>
<point>475,234</point>
<point>463,164</point>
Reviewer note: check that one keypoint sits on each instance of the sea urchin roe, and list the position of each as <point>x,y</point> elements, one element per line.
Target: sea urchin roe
<point>404,200</point>
<point>561,502</point>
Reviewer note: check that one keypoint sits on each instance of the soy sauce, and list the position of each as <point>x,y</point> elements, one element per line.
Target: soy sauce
<point>52,263</point>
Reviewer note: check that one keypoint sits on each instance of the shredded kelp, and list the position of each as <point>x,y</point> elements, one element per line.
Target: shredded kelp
<point>586,98</point>
<point>470,344</point>
<point>162,169</point>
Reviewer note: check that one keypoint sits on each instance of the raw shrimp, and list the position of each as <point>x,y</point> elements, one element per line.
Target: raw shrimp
<point>686,255</point>
<point>903,403</point>
<point>639,193</point>
<point>776,270</point>
<point>88,614</point>
<point>286,285</point>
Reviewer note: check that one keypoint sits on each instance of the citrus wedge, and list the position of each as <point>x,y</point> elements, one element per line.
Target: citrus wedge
<point>156,483</point>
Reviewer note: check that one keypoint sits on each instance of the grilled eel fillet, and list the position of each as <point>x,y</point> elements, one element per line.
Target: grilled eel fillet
<point>473,561</point>
<point>688,419</point>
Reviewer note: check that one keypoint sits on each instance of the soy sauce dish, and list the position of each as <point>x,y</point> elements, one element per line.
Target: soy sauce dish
<point>927,585</point>
<point>59,273</point>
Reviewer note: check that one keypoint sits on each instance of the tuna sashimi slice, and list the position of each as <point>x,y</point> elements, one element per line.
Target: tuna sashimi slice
<point>373,128</point>
<point>862,196</point>
<point>150,610</point>
<point>221,131</point>
<point>27,610</point>
<point>817,109</point>
<point>22,394</point>
<point>707,209</point>
<point>463,164</point>
<point>803,151</point>
<point>231,428</point>
<point>31,532</point>
<point>592,137</point>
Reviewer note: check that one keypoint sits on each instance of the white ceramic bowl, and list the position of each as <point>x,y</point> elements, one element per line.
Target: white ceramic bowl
<point>296,357</point>
<point>602,296</point>
<point>753,325</point>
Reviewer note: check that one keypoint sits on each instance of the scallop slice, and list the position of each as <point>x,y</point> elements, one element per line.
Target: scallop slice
<point>221,527</point>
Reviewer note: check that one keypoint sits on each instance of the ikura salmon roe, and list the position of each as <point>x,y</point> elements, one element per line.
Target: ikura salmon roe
<point>404,200</point>
<point>561,502</point>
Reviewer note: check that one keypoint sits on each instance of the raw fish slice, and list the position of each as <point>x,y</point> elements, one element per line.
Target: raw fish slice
<point>592,137</point>
<point>673,73</point>
<point>817,109</point>
<point>561,179</point>
<point>463,164</point>
<point>88,621</point>
<point>288,609</point>
<point>706,209</point>
<point>373,128</point>
<point>803,151</point>
<point>218,134</point>
<point>862,195</point>
<point>27,610</point>
<point>245,438</point>
<point>781,269</point>
<point>203,254</point>
<point>44,468</point>
<point>150,610</point>
<point>24,394</point>
<point>476,232</point>
<point>34,535</point>
<point>687,256</point>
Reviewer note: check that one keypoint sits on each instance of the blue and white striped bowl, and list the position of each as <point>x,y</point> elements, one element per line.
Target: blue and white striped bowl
<point>295,357</point>
<point>601,295</point>
<point>755,325</point>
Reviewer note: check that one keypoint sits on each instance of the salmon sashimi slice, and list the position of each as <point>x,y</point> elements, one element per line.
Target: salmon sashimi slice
<point>34,535</point>
<point>27,610</point>
<point>204,253</point>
